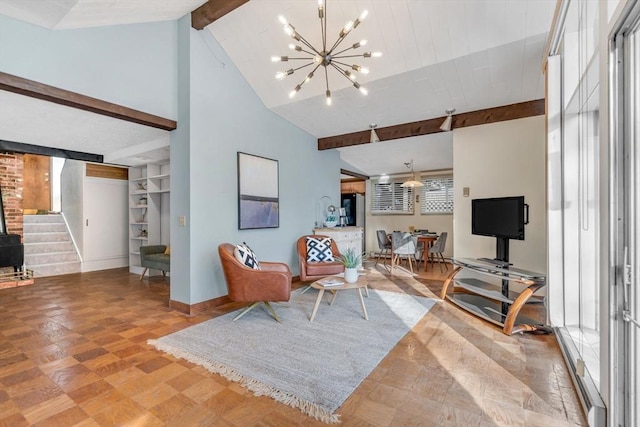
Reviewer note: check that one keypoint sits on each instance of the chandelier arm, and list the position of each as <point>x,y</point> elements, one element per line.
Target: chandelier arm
<point>324,34</point>
<point>307,59</point>
<point>322,30</point>
<point>342,51</point>
<point>350,56</point>
<point>341,71</point>
<point>307,76</point>
<point>301,67</point>
<point>341,63</point>
<point>326,78</point>
<point>306,43</point>
<point>337,42</point>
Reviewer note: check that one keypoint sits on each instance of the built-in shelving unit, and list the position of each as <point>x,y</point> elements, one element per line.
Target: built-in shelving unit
<point>490,301</point>
<point>149,187</point>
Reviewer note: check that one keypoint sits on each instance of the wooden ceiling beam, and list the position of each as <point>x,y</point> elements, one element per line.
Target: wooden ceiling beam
<point>67,98</point>
<point>213,10</point>
<point>426,127</point>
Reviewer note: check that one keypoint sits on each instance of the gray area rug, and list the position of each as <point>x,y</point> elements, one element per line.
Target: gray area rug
<point>313,366</point>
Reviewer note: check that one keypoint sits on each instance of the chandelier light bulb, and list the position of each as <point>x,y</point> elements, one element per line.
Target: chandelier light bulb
<point>288,30</point>
<point>282,20</point>
<point>361,70</point>
<point>294,91</point>
<point>328,94</point>
<point>309,77</point>
<point>317,59</point>
<point>376,54</point>
<point>320,3</point>
<point>282,74</point>
<point>350,75</point>
<point>363,15</point>
<point>364,90</point>
<point>279,58</point>
<point>358,44</point>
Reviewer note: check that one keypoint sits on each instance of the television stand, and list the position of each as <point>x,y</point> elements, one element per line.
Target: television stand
<point>491,302</point>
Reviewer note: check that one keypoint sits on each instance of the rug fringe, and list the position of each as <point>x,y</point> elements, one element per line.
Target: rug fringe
<point>257,387</point>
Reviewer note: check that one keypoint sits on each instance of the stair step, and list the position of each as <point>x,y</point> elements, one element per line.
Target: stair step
<point>47,247</point>
<point>44,270</point>
<point>46,237</point>
<point>30,219</point>
<point>45,227</point>
<point>49,258</point>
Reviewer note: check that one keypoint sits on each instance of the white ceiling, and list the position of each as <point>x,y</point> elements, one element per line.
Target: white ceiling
<point>437,54</point>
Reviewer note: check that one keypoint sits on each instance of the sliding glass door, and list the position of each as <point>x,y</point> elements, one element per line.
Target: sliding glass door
<point>625,123</point>
<point>575,200</point>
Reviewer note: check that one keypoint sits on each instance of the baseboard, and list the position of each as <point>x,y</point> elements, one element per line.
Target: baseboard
<point>104,264</point>
<point>198,307</point>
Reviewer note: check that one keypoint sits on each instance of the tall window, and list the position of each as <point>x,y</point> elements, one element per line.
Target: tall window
<point>389,197</point>
<point>437,195</point>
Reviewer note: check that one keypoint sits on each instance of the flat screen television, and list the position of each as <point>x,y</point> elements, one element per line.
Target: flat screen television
<point>502,217</point>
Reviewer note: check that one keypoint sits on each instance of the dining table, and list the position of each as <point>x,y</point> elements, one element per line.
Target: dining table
<point>427,239</point>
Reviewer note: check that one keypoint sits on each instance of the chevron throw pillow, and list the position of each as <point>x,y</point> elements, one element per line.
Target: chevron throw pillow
<point>319,249</point>
<point>245,255</point>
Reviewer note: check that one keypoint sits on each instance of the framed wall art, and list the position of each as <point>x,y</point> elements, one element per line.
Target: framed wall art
<point>258,197</point>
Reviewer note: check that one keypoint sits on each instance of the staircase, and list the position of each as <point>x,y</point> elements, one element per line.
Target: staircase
<point>48,249</point>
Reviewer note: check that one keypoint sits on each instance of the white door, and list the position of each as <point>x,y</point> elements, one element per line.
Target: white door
<point>105,224</point>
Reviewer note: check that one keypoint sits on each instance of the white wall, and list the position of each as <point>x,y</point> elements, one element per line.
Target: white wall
<point>71,192</point>
<point>496,160</point>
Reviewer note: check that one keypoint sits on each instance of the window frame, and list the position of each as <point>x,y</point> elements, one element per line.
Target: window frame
<point>448,198</point>
<point>407,197</point>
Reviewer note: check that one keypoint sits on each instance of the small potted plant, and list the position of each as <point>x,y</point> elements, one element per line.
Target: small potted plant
<point>351,259</point>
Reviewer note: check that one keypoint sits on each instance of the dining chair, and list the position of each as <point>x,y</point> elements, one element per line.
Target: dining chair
<point>384,243</point>
<point>403,247</point>
<point>438,248</point>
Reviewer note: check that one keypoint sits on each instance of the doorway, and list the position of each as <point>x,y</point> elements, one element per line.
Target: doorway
<point>36,195</point>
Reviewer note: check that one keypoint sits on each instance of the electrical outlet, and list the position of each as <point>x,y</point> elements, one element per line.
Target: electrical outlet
<point>182,220</point>
<point>465,191</point>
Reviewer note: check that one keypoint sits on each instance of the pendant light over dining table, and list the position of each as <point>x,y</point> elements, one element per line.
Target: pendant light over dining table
<point>412,181</point>
<point>325,55</point>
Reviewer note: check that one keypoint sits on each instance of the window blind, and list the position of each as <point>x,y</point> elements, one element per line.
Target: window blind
<point>388,197</point>
<point>437,195</point>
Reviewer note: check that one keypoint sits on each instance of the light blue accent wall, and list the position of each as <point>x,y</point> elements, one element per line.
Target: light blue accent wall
<point>131,65</point>
<point>180,177</point>
<point>226,116</point>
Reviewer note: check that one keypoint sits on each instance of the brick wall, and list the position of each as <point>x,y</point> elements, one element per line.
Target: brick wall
<point>11,170</point>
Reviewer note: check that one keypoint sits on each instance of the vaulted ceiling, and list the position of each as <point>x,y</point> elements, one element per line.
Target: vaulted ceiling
<point>437,54</point>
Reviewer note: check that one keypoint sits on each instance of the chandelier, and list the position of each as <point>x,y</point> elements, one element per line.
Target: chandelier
<point>326,55</point>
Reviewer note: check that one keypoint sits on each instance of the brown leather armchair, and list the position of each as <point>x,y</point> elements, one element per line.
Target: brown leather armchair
<point>271,283</point>
<point>317,270</point>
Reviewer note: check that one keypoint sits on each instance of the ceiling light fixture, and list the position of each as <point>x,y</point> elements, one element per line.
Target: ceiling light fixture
<point>374,136</point>
<point>411,182</point>
<point>327,56</point>
<point>446,125</point>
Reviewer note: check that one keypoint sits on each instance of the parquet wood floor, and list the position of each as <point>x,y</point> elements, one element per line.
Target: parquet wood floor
<point>73,352</point>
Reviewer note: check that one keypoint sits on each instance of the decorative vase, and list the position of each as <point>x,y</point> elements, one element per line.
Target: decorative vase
<point>351,275</point>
